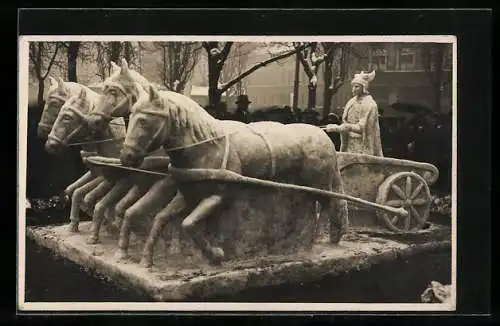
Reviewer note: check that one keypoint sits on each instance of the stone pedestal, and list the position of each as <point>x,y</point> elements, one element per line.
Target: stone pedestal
<point>175,278</point>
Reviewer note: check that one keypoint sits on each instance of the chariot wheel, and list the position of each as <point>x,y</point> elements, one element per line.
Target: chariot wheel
<point>409,191</point>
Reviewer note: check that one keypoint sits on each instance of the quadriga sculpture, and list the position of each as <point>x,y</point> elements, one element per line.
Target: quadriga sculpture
<point>69,128</point>
<point>195,141</point>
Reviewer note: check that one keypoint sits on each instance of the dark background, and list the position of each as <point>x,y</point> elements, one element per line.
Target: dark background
<point>473,30</point>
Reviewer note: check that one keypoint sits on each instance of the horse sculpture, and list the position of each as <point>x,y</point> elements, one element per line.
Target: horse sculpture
<point>70,126</point>
<point>141,199</point>
<point>298,154</point>
<point>59,92</point>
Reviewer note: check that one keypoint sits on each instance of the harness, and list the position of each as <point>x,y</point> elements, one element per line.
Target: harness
<point>52,98</point>
<point>128,99</point>
<point>225,135</point>
<point>82,116</point>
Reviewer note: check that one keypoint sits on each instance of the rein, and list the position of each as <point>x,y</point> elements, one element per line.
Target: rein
<point>82,116</point>
<point>172,149</point>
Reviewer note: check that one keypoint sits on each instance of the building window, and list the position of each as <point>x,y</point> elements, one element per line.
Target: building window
<point>406,59</point>
<point>378,58</point>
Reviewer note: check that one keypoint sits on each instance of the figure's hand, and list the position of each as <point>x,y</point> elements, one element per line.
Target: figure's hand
<point>332,128</point>
<point>343,128</point>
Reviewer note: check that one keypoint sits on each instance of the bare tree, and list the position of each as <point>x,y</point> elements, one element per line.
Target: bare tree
<point>42,56</point>
<point>311,59</point>
<point>178,60</point>
<point>112,51</point>
<point>217,57</point>
<point>433,55</point>
<point>336,70</point>
<point>72,49</point>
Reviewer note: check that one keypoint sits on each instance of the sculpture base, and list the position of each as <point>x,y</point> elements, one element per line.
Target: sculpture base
<point>184,280</point>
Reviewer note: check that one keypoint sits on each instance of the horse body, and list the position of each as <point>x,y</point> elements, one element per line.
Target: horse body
<point>295,153</point>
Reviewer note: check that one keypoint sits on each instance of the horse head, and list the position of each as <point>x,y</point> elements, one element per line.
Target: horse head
<point>147,127</point>
<point>71,122</point>
<point>120,92</point>
<point>59,92</point>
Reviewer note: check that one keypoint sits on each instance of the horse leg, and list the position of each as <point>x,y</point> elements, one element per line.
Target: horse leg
<point>173,209</point>
<point>111,197</point>
<point>142,207</point>
<point>201,212</point>
<point>78,183</point>
<point>76,200</point>
<point>130,198</point>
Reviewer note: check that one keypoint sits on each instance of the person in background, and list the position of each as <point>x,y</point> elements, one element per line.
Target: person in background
<point>360,131</point>
<point>310,116</point>
<point>241,113</point>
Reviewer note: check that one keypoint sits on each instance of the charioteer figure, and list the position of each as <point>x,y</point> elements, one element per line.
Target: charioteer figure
<point>360,131</point>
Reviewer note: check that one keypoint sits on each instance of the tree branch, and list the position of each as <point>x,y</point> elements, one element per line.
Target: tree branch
<point>34,60</point>
<point>247,72</point>
<point>52,60</point>
<point>224,53</point>
<point>305,64</point>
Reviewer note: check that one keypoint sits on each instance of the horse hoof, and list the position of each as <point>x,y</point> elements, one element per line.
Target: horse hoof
<point>146,262</point>
<point>217,256</point>
<point>121,255</point>
<point>92,240</point>
<point>73,228</point>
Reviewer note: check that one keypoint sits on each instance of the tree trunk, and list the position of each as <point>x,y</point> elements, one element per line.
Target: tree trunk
<point>41,90</point>
<point>214,95</point>
<point>127,51</point>
<point>311,101</point>
<point>72,56</point>
<point>114,53</point>
<point>327,94</point>
<point>296,84</point>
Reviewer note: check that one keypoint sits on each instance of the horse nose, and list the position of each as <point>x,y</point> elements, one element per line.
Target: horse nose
<point>51,146</point>
<point>128,158</point>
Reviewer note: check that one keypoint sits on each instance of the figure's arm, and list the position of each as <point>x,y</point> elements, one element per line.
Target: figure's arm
<point>360,126</point>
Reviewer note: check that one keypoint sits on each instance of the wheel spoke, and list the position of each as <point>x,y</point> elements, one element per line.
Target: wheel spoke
<point>398,191</point>
<point>408,186</point>
<point>395,219</point>
<point>416,215</point>
<point>395,203</point>
<point>408,221</point>
<point>420,201</point>
<point>417,191</point>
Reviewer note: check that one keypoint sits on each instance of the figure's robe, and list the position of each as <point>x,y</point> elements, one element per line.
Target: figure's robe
<point>363,114</point>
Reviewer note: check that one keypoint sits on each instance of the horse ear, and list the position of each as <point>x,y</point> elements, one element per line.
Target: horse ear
<point>52,81</point>
<point>114,67</point>
<point>124,68</point>
<point>83,94</point>
<point>60,83</point>
<point>153,93</point>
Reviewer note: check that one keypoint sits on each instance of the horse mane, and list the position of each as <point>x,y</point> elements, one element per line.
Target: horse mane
<point>72,87</point>
<point>183,113</point>
<point>136,78</point>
